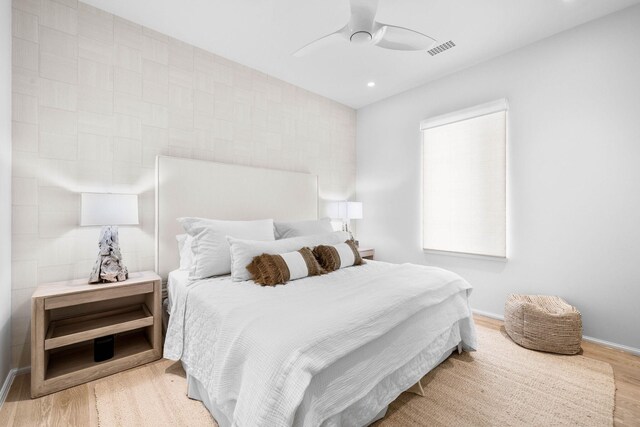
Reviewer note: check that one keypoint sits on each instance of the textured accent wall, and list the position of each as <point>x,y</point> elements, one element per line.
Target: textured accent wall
<point>96,98</point>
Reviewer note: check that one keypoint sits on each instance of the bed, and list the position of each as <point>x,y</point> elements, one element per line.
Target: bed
<point>327,350</point>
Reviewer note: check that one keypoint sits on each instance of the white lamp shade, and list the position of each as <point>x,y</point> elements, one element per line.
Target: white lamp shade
<point>347,210</point>
<point>109,209</point>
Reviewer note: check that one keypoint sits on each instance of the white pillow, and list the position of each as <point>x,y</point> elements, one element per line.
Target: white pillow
<point>286,230</point>
<point>184,249</point>
<point>210,246</point>
<point>243,251</point>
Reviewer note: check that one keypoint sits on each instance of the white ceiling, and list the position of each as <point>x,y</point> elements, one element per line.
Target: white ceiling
<point>262,34</point>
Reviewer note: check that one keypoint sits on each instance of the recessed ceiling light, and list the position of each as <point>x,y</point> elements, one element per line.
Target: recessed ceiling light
<point>371,84</point>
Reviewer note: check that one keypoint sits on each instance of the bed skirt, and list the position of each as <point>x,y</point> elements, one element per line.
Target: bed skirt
<point>376,401</point>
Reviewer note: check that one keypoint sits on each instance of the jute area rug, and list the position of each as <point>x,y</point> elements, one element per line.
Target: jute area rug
<point>502,384</point>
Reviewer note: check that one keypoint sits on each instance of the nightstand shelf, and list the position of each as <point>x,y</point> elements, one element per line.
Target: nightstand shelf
<point>68,316</point>
<point>67,363</point>
<point>82,328</point>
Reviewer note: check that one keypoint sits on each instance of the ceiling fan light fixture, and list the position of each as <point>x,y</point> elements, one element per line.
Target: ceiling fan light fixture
<point>360,37</point>
<point>362,28</point>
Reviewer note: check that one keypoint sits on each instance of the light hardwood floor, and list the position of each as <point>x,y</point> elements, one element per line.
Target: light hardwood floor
<point>76,406</point>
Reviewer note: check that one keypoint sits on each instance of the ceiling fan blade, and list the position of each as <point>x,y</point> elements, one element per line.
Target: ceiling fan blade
<point>363,14</point>
<point>327,40</point>
<point>400,38</point>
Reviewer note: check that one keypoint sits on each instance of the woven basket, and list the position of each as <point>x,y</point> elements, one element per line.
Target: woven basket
<point>544,323</point>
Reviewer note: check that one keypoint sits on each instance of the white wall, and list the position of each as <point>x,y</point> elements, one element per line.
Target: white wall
<point>5,188</point>
<point>97,97</point>
<point>573,174</point>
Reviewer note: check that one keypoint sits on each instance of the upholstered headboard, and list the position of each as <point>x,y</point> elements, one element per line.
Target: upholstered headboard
<point>186,187</point>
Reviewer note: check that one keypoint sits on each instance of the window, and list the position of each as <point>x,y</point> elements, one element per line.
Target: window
<point>464,181</point>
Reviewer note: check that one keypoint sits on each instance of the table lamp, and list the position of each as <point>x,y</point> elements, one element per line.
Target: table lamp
<point>109,210</point>
<point>348,211</point>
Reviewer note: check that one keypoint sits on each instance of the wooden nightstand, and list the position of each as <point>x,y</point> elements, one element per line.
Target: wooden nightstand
<point>67,316</point>
<point>367,253</point>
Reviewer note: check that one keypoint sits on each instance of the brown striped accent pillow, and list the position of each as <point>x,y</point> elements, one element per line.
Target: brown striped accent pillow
<point>333,257</point>
<point>271,270</point>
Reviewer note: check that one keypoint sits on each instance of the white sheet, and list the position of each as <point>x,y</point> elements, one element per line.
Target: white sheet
<point>272,356</point>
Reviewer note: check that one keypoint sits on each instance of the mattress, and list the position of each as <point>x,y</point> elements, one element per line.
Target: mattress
<point>353,389</point>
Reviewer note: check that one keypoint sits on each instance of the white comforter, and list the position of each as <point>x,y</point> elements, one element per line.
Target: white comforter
<point>256,349</point>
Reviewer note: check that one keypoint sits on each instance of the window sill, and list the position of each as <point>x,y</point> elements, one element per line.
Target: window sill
<point>465,255</point>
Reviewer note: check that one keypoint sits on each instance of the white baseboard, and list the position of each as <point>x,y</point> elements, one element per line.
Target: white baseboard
<point>23,370</point>
<point>622,347</point>
<point>6,386</point>
<point>488,314</point>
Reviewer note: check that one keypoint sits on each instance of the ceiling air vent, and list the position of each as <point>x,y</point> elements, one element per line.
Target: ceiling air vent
<point>441,48</point>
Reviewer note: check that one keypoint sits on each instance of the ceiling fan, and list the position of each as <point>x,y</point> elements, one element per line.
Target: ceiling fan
<point>362,28</point>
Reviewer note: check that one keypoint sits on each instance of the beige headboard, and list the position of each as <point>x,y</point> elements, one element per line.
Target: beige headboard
<point>186,187</point>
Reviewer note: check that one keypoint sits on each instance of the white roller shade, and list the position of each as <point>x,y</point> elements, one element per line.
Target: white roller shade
<point>465,114</point>
<point>464,181</point>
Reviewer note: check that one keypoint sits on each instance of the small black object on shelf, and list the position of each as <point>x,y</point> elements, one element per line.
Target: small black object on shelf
<point>103,348</point>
